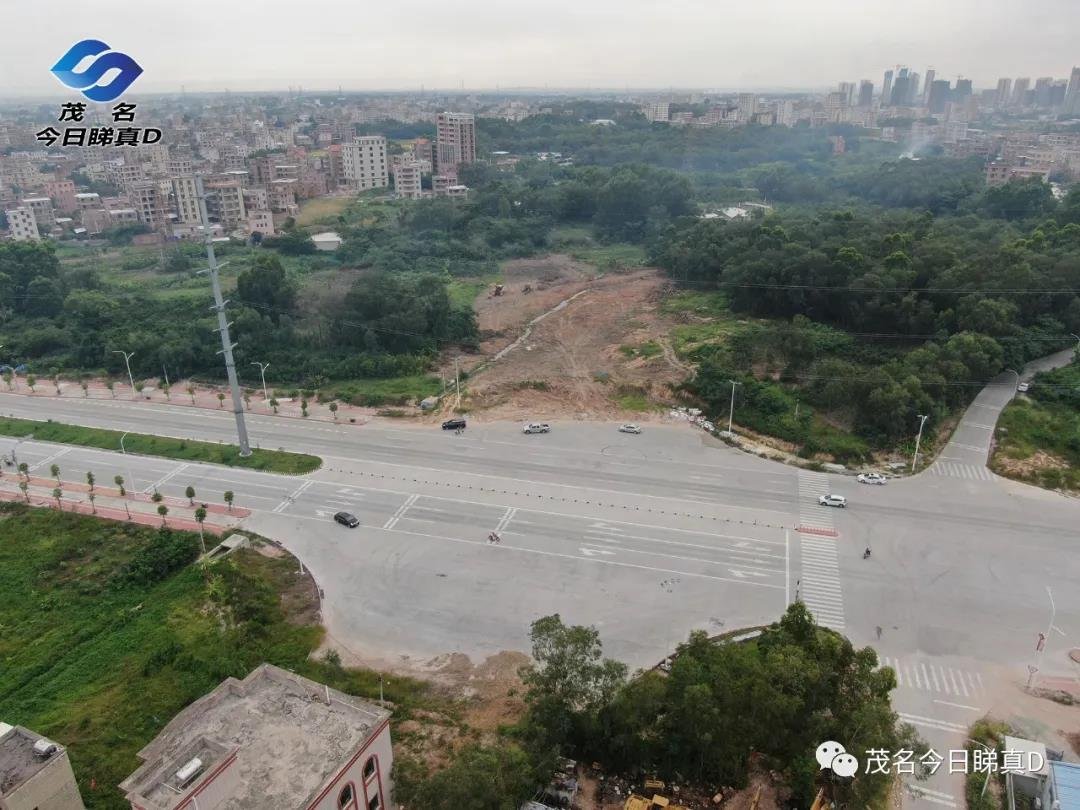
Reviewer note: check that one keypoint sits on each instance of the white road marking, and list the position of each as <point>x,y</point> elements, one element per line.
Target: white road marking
<point>592,552</point>
<point>934,723</point>
<point>400,513</point>
<point>165,479</point>
<point>934,796</point>
<point>957,705</point>
<point>291,497</point>
<point>50,459</point>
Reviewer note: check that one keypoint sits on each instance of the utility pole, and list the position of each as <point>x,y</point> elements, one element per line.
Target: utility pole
<point>457,383</point>
<point>731,410</point>
<point>262,374</point>
<point>166,373</point>
<point>127,362</point>
<point>223,324</point>
<point>918,440</point>
<point>1034,667</point>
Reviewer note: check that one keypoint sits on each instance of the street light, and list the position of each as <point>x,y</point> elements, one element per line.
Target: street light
<point>127,362</point>
<point>918,440</point>
<point>731,410</point>
<point>131,477</point>
<point>1042,642</point>
<point>262,373</point>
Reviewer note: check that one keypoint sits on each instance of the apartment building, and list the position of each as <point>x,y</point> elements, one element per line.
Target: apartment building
<point>407,179</point>
<point>62,193</point>
<point>364,163</point>
<point>150,203</point>
<point>455,141</point>
<point>274,740</point>
<point>225,201</point>
<point>261,221</point>
<point>43,210</point>
<point>35,773</point>
<point>186,200</point>
<point>23,225</point>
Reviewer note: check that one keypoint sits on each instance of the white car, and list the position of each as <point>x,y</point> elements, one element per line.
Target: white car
<point>628,428</point>
<point>833,500</point>
<point>1023,388</point>
<point>537,427</point>
<point>872,478</point>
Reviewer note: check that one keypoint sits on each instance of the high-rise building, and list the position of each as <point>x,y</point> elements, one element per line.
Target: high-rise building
<point>22,225</point>
<point>658,111</point>
<point>1072,94</point>
<point>1020,89</point>
<point>914,95</point>
<point>931,74</point>
<point>1057,92</point>
<point>1004,91</point>
<point>407,179</point>
<point>847,90</point>
<point>866,93</point>
<point>747,107</point>
<point>364,163</point>
<point>455,141</point>
<point>186,200</point>
<point>940,95</point>
<point>962,90</point>
<point>1042,91</point>
<point>886,89</point>
<point>901,91</point>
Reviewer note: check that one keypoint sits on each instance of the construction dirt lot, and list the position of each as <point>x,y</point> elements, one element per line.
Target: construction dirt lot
<point>575,345</point>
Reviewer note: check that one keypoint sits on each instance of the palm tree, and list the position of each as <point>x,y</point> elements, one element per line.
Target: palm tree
<point>119,481</point>
<point>31,380</point>
<point>273,404</point>
<point>56,382</point>
<point>90,480</point>
<point>58,494</point>
<point>220,400</point>
<point>110,385</point>
<point>92,498</point>
<point>333,409</point>
<point>156,497</point>
<point>200,516</point>
<point>25,487</point>
<point>191,393</point>
<point>55,470</point>
<point>162,510</point>
<point>9,379</point>
<point>229,498</point>
<point>190,493</point>
<point>303,407</point>
<point>85,386</point>
<point>24,468</point>
<point>165,390</point>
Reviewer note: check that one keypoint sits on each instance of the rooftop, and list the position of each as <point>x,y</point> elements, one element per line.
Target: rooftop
<point>18,762</point>
<point>1066,777</point>
<point>287,734</point>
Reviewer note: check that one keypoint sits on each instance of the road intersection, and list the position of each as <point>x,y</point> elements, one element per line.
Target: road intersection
<point>647,537</point>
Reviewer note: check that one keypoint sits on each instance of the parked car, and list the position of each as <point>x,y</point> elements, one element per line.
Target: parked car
<point>629,428</point>
<point>453,424</point>
<point>838,501</point>
<point>347,519</point>
<point>1023,388</point>
<point>871,478</point>
<point>537,427</point>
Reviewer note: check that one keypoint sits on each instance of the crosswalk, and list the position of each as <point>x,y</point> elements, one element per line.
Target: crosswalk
<point>819,586</point>
<point>916,673</point>
<point>954,469</point>
<point>813,517</point>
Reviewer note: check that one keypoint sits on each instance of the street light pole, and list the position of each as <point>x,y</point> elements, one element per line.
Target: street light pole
<point>127,363</point>
<point>223,324</point>
<point>131,478</point>
<point>1034,668</point>
<point>731,410</point>
<point>918,440</point>
<point>262,373</point>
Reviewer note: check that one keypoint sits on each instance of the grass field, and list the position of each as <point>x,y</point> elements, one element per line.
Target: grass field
<point>1039,442</point>
<point>107,630</point>
<point>142,444</point>
<point>322,210</point>
<point>391,391</point>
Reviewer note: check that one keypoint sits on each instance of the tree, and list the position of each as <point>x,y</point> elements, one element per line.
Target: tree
<point>220,400</point>
<point>200,517</point>
<point>274,404</point>
<point>483,777</point>
<point>119,481</point>
<point>25,487</point>
<point>93,497</point>
<point>191,393</point>
<point>190,494</point>
<point>229,496</point>
<point>85,386</point>
<point>162,510</point>
<point>247,399</point>
<point>156,497</point>
<point>54,470</point>
<point>24,468</point>
<point>303,407</point>
<point>90,480</point>
<point>333,409</point>
<point>9,379</point>
<point>58,494</point>
<point>56,383</point>
<point>31,380</point>
<point>267,285</point>
<point>111,386</point>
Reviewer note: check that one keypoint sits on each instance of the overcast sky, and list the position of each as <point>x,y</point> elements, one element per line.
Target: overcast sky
<point>728,44</point>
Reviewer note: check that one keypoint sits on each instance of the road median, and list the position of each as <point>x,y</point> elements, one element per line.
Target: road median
<point>277,461</point>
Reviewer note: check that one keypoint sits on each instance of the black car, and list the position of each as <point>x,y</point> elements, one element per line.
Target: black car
<point>453,424</point>
<point>347,519</point>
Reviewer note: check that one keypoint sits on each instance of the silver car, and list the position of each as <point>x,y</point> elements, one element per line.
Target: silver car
<point>629,428</point>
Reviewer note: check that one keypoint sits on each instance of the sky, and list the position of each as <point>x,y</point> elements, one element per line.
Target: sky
<point>239,45</point>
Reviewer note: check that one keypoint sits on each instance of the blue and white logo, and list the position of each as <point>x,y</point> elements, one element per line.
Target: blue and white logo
<point>86,80</point>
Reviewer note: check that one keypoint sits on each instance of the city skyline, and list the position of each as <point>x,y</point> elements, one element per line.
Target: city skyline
<point>570,47</point>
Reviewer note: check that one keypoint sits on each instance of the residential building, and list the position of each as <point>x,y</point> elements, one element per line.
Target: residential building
<point>658,111</point>
<point>22,224</point>
<point>261,221</point>
<point>35,773</point>
<point>186,200</point>
<point>886,89</point>
<point>43,210</point>
<point>1004,93</point>
<point>225,202</point>
<point>364,163</point>
<point>931,75</point>
<point>256,198</point>
<point>272,740</point>
<point>150,204</point>
<point>87,200</point>
<point>407,180</point>
<point>1020,90</point>
<point>747,107</point>
<point>423,150</point>
<point>1072,94</point>
<point>455,141</point>
<point>62,193</point>
<point>940,95</point>
<point>1043,87</point>
<point>282,194</point>
<point>866,94</point>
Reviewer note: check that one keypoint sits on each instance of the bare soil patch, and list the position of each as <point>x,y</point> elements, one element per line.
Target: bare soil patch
<point>603,354</point>
<point>1030,466</point>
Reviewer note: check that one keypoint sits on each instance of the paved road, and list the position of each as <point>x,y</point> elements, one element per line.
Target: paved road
<point>647,537</point>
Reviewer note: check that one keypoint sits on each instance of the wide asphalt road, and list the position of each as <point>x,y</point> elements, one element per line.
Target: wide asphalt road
<point>647,537</point>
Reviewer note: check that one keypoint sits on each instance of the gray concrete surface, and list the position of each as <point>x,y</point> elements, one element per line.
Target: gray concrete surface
<point>647,537</point>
